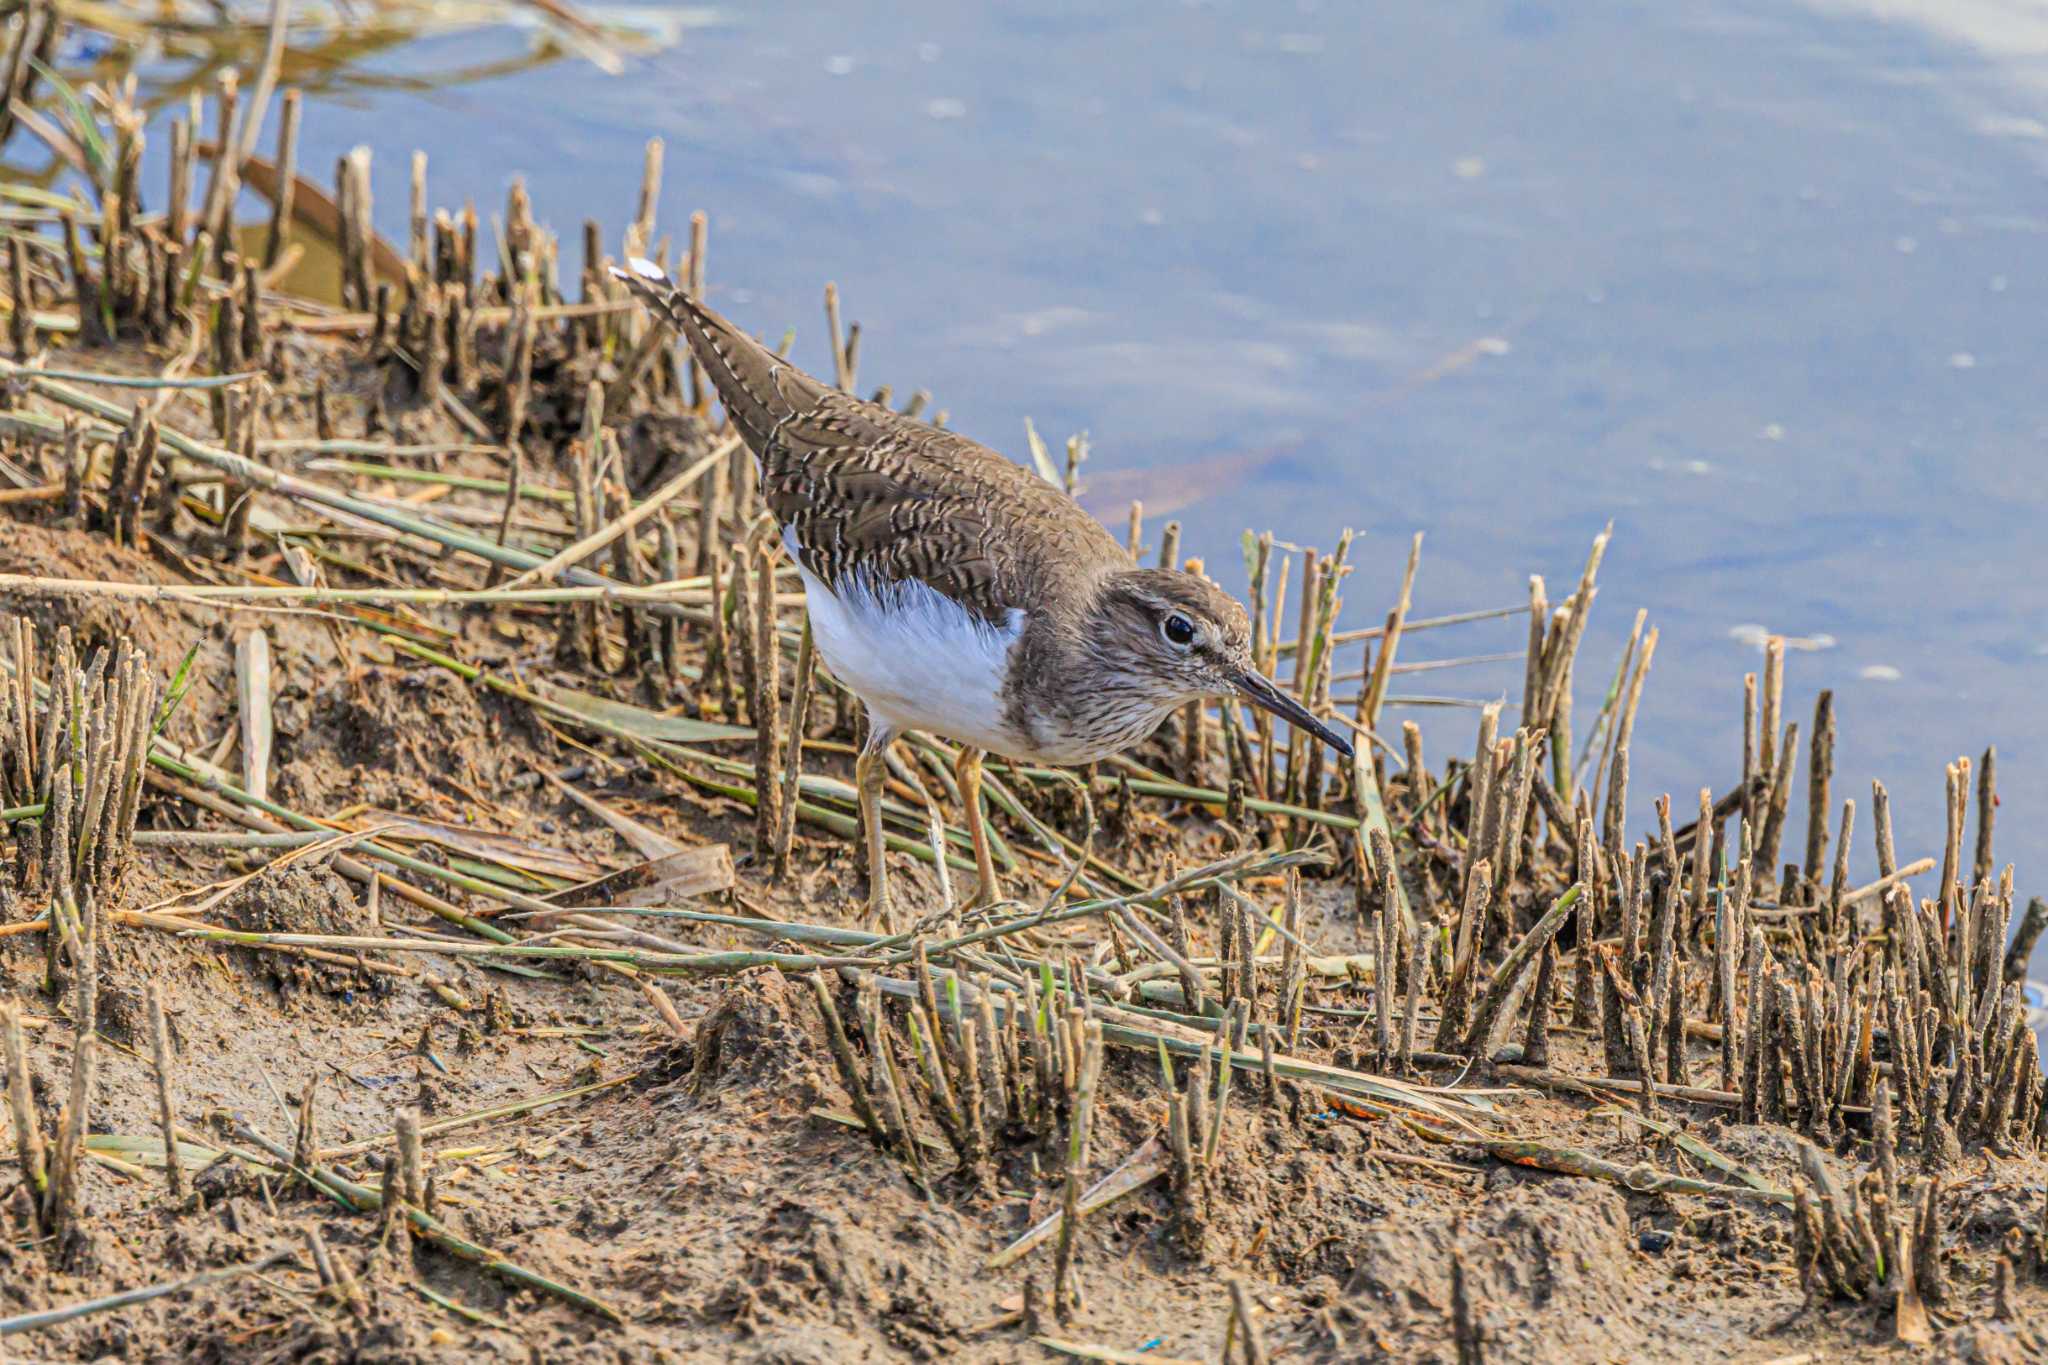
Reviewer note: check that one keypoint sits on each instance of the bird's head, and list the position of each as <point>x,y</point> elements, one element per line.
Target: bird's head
<point>1174,637</point>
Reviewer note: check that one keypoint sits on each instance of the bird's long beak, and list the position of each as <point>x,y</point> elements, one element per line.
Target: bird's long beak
<point>1259,690</point>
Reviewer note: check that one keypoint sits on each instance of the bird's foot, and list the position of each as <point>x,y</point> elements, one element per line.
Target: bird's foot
<point>986,893</point>
<point>878,914</point>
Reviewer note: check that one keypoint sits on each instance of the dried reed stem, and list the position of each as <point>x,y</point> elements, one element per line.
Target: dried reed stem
<point>28,1131</point>
<point>1064,1295</point>
<point>160,1057</point>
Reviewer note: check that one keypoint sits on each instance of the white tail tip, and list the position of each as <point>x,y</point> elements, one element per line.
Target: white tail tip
<point>644,272</point>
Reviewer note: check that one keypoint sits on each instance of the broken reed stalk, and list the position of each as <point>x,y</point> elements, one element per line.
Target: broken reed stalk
<point>287,180</point>
<point>63,1203</point>
<point>160,1058</point>
<point>793,752</point>
<point>410,1159</point>
<point>842,1056</point>
<point>1878,1239</point>
<point>1987,814</point>
<point>1511,969</point>
<point>2021,951</point>
<point>1064,1296</point>
<point>306,1136</point>
<point>1820,767</point>
<point>92,728</point>
<point>252,687</point>
<point>766,709</point>
<point>1467,948</point>
<point>30,1153</point>
<point>1383,664</point>
<point>1385,956</point>
<point>887,1086</point>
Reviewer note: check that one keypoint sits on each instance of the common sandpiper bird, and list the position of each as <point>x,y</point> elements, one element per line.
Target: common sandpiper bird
<point>960,594</point>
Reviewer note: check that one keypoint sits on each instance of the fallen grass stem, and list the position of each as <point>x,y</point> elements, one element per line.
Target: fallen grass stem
<point>127,1298</point>
<point>362,1199</point>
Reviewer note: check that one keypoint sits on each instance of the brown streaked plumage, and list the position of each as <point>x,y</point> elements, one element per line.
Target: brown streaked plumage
<point>869,490</point>
<point>959,593</point>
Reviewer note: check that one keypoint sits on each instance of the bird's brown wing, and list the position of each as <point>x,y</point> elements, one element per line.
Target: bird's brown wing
<point>875,496</point>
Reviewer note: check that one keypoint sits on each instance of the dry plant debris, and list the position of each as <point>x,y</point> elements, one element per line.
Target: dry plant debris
<point>431,916</point>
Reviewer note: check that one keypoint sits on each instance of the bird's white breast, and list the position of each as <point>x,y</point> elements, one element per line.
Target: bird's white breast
<point>918,659</point>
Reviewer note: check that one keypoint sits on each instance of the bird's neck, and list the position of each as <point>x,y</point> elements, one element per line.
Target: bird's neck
<point>1064,695</point>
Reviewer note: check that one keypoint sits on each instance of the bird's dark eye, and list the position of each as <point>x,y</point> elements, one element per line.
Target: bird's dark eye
<point>1178,630</point>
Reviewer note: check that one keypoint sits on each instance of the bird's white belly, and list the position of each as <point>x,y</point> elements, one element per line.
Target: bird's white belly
<point>918,659</point>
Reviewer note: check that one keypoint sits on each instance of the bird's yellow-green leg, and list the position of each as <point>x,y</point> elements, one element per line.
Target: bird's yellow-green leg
<point>868,773</point>
<point>968,772</point>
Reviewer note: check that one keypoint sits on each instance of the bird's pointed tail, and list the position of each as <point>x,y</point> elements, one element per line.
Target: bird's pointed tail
<point>758,388</point>
<point>652,286</point>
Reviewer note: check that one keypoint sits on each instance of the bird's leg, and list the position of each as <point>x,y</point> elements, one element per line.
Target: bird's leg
<point>968,771</point>
<point>868,773</point>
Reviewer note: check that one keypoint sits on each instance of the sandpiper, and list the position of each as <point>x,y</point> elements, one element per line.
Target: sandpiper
<point>959,594</point>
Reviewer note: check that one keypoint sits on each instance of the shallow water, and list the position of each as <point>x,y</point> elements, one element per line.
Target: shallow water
<point>1760,283</point>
